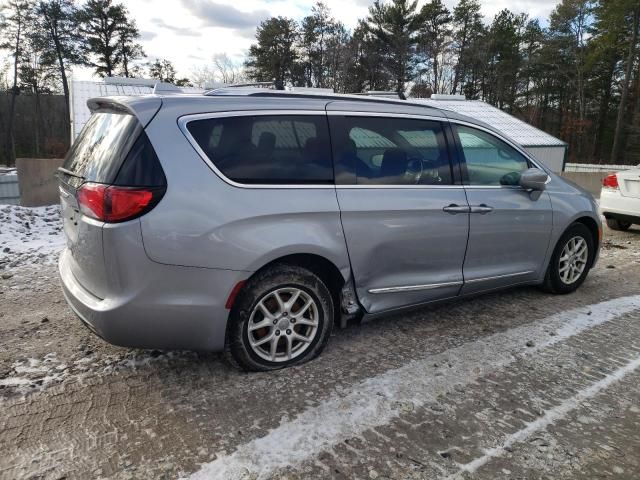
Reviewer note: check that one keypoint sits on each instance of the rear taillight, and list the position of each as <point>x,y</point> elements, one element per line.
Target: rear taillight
<point>117,204</point>
<point>610,181</point>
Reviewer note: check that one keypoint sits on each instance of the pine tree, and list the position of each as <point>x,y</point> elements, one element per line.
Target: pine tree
<point>395,26</point>
<point>109,37</point>
<point>435,41</point>
<point>631,18</point>
<point>274,56</point>
<point>163,70</point>
<point>323,40</point>
<point>468,33</point>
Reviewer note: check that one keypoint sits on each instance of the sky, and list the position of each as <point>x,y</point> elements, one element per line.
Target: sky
<point>191,32</point>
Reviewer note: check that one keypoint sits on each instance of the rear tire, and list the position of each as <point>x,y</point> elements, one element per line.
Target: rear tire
<point>615,224</point>
<point>295,310</point>
<point>570,264</point>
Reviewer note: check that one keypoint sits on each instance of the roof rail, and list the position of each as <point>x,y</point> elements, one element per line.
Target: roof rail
<point>250,84</point>
<point>263,92</point>
<point>383,94</point>
<point>267,86</point>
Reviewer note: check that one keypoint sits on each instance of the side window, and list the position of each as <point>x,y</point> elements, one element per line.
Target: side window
<point>489,160</point>
<point>270,149</point>
<point>389,151</point>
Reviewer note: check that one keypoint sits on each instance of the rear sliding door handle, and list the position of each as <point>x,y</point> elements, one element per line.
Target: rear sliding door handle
<point>481,209</point>
<point>454,209</point>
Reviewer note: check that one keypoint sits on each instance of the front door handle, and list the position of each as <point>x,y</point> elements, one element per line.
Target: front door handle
<point>482,209</point>
<point>454,209</point>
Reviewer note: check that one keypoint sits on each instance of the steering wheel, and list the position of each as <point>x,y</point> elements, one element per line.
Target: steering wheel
<point>414,170</point>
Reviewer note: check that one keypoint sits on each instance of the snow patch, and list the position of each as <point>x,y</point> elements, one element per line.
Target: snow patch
<point>33,375</point>
<point>378,400</point>
<point>30,236</point>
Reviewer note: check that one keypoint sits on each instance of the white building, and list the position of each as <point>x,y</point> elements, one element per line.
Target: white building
<point>548,149</point>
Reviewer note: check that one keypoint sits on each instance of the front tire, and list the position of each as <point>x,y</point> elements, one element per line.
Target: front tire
<point>615,224</point>
<point>283,317</point>
<point>571,260</point>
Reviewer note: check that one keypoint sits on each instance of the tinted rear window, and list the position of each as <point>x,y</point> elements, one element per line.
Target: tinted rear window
<point>99,150</point>
<point>389,151</point>
<point>141,167</point>
<point>276,149</point>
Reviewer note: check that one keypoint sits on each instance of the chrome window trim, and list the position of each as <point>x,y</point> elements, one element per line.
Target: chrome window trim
<point>413,288</point>
<point>403,187</point>
<point>184,120</point>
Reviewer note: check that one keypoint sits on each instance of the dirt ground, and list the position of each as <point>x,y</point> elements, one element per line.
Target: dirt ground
<point>513,385</point>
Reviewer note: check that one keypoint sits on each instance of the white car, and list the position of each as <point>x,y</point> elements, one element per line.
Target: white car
<point>620,199</point>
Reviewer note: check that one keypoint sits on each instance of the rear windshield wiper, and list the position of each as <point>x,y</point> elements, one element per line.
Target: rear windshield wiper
<point>69,172</point>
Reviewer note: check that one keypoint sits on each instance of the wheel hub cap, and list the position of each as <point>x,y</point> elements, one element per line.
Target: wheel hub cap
<point>283,324</point>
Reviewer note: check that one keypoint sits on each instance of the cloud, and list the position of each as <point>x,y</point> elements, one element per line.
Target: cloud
<point>147,35</point>
<point>188,32</point>
<point>215,14</point>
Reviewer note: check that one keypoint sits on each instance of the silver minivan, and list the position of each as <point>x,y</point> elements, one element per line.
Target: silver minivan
<point>252,220</point>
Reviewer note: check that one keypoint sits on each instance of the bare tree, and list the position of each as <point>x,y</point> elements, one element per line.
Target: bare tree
<point>17,15</point>
<point>202,76</point>
<point>226,69</point>
<point>57,29</point>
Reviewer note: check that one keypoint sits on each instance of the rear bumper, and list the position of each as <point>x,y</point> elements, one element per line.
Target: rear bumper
<point>614,204</point>
<point>166,307</point>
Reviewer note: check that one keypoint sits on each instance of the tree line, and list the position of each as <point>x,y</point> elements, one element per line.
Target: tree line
<point>577,77</point>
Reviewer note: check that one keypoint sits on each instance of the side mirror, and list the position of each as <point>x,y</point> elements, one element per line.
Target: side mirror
<point>534,180</point>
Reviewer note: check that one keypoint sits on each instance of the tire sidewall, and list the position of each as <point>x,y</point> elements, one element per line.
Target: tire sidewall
<point>575,230</point>
<point>283,277</point>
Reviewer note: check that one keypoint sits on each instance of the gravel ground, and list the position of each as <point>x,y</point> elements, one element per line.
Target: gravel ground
<point>518,384</point>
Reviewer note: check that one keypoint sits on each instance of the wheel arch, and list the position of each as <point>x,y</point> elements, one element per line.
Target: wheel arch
<point>321,266</point>
<point>595,230</point>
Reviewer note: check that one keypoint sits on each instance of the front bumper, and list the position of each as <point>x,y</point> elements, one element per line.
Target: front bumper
<point>167,307</point>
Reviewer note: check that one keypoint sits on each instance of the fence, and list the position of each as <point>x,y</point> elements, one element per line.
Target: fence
<point>592,167</point>
<point>9,189</point>
<point>40,128</point>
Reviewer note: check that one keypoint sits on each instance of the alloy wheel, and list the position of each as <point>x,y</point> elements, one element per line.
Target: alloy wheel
<point>573,260</point>
<point>283,324</point>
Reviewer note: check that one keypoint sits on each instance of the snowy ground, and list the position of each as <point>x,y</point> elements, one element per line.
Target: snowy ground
<point>29,236</point>
<point>518,384</point>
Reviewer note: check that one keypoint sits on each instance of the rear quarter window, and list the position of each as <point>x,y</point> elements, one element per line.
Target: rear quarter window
<point>269,149</point>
